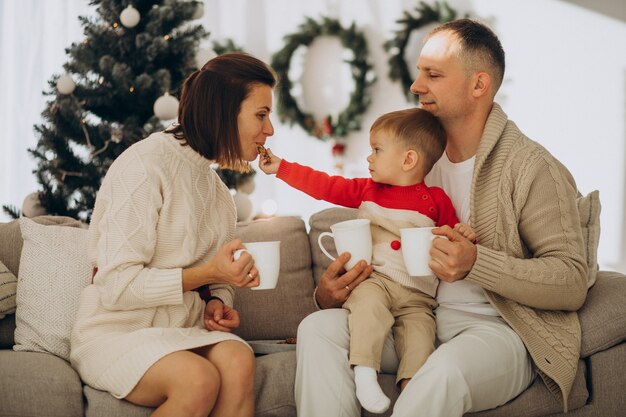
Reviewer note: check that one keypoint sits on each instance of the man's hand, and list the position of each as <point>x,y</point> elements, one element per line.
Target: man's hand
<point>336,284</point>
<point>452,258</point>
<point>219,316</point>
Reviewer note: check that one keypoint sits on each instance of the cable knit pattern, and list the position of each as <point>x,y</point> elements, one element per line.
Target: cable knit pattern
<point>530,259</point>
<point>161,208</point>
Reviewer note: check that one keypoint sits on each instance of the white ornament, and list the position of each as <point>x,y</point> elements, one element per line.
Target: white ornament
<point>129,17</point>
<point>203,56</point>
<point>31,207</point>
<point>199,11</point>
<point>243,204</point>
<point>166,107</point>
<point>65,84</point>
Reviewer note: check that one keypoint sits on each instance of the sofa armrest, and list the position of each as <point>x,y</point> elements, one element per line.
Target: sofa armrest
<point>603,316</point>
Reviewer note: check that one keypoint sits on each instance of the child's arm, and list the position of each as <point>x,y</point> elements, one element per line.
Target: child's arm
<point>268,162</point>
<point>467,231</point>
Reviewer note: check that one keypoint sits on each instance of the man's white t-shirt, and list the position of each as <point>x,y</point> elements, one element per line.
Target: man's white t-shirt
<point>456,181</point>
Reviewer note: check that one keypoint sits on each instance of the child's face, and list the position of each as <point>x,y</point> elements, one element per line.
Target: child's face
<point>386,159</point>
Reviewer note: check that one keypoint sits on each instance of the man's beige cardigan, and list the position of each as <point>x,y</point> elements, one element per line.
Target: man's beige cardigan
<point>530,259</point>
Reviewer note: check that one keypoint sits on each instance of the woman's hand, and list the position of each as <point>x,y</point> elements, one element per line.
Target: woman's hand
<point>219,316</point>
<point>270,167</point>
<point>224,269</point>
<point>241,272</point>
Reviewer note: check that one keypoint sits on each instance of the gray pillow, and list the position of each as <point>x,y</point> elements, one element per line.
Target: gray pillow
<point>275,314</point>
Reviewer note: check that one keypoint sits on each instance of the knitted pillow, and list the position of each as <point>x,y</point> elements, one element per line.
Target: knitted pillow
<point>589,213</point>
<point>8,284</point>
<point>54,268</point>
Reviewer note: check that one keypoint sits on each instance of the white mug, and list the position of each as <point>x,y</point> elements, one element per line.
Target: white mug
<point>352,236</point>
<point>266,257</point>
<point>416,244</point>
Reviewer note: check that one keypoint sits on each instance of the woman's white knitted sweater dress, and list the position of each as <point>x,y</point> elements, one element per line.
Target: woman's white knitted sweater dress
<point>160,208</point>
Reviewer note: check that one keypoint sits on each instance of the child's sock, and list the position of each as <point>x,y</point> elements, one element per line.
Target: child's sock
<point>369,393</point>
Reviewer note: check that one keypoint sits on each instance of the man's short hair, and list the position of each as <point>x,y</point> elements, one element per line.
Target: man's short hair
<point>481,49</point>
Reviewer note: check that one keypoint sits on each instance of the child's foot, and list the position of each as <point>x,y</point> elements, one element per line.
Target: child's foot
<point>371,397</point>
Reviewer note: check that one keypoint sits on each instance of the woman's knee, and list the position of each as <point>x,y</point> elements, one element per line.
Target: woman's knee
<point>242,364</point>
<point>200,387</point>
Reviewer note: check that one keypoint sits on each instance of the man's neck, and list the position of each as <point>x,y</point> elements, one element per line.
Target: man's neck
<point>464,135</point>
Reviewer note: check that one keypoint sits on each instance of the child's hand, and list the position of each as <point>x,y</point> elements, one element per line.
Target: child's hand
<point>467,231</point>
<point>269,163</point>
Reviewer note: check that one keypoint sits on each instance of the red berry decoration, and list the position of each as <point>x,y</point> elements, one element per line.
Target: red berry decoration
<point>395,245</point>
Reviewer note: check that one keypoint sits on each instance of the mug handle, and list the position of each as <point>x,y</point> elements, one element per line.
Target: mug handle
<point>319,242</point>
<point>238,252</point>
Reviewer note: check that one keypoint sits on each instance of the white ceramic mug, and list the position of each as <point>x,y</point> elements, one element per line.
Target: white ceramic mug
<point>416,244</point>
<point>352,236</point>
<point>266,257</point>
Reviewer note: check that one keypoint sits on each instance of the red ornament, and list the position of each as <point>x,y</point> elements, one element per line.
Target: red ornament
<point>395,244</point>
<point>327,126</point>
<point>338,149</point>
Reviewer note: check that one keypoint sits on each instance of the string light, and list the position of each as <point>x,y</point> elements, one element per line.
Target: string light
<point>167,37</point>
<point>132,88</point>
<point>115,25</point>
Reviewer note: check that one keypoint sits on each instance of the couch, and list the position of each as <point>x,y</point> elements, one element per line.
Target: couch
<point>43,384</point>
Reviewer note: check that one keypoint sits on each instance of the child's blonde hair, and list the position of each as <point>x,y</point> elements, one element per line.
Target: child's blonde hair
<point>415,129</point>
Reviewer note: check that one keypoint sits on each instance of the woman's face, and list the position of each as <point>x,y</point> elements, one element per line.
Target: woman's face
<point>254,122</point>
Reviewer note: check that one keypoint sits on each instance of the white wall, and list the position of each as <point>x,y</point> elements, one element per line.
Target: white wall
<point>565,87</point>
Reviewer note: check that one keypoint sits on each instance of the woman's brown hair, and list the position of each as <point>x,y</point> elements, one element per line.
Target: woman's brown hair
<point>210,102</point>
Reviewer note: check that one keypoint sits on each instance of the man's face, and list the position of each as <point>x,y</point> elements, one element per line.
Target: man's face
<point>442,84</point>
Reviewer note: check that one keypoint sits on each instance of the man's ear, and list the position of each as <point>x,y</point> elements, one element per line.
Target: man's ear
<point>411,159</point>
<point>482,84</point>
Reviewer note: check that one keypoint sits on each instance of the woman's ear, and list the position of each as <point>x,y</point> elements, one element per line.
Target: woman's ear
<point>411,159</point>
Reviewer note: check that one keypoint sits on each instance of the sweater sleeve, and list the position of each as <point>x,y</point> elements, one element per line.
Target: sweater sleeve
<point>224,292</point>
<point>553,274</point>
<point>123,238</point>
<point>447,212</point>
<point>321,186</point>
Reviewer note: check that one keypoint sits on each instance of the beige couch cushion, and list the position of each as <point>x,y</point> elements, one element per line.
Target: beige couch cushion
<point>8,286</point>
<point>54,269</point>
<point>11,238</point>
<point>321,222</point>
<point>603,316</point>
<point>37,385</point>
<point>276,313</point>
<point>589,214</point>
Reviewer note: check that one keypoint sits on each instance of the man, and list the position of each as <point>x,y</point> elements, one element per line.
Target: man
<point>507,302</point>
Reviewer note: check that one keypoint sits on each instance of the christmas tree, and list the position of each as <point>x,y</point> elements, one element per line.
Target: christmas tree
<point>120,83</point>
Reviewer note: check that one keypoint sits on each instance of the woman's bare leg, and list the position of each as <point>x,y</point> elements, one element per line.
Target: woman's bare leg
<point>236,365</point>
<point>181,384</point>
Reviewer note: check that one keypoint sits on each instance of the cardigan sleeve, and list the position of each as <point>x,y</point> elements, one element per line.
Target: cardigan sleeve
<point>124,237</point>
<point>552,274</point>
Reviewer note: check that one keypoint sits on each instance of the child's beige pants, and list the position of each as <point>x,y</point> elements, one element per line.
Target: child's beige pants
<point>379,305</point>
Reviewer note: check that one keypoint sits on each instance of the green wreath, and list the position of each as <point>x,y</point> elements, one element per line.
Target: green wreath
<point>398,68</point>
<point>350,118</point>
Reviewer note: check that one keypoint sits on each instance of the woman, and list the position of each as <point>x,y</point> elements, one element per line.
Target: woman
<point>162,226</point>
